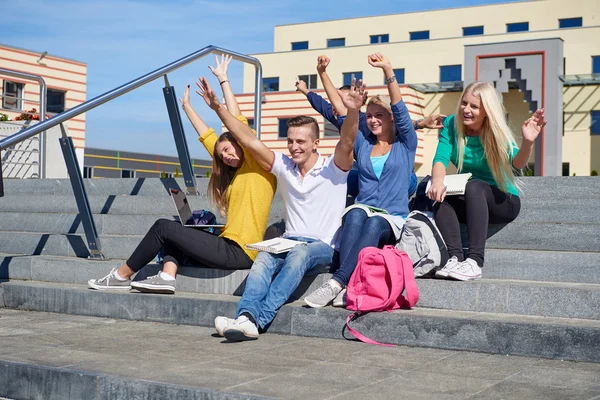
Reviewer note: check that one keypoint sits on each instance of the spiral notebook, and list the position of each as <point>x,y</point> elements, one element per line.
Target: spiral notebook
<point>276,245</point>
<point>455,184</point>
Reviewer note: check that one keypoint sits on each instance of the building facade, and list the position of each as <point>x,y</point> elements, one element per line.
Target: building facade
<point>427,49</point>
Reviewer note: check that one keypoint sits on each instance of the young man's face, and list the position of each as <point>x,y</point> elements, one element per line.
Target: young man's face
<point>301,143</point>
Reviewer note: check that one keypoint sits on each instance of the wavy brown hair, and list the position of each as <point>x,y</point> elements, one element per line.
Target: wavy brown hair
<point>221,177</point>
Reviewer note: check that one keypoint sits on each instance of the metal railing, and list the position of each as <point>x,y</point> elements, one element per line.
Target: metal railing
<point>42,102</point>
<point>70,157</point>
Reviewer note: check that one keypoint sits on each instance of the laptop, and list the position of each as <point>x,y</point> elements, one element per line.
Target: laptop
<point>185,212</point>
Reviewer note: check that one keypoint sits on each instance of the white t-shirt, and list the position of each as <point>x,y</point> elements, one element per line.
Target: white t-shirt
<point>313,205</point>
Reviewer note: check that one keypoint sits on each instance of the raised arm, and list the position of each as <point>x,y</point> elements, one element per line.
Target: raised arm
<point>353,101</point>
<point>330,89</point>
<point>378,60</point>
<point>220,71</point>
<point>318,103</point>
<point>199,125</point>
<point>237,128</point>
<point>530,130</point>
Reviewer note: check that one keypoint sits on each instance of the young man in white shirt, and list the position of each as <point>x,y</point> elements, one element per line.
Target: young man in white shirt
<point>314,192</point>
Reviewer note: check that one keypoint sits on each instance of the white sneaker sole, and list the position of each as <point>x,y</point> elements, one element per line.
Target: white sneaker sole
<point>221,323</point>
<point>147,288</point>
<point>315,305</point>
<point>441,274</point>
<point>95,286</point>
<point>460,277</point>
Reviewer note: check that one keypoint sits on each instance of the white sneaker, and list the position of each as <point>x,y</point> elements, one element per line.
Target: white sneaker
<point>323,295</point>
<point>467,270</point>
<point>241,329</point>
<point>340,299</point>
<point>222,323</point>
<point>450,265</point>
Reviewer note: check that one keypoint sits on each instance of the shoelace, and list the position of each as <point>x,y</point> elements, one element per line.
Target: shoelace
<point>325,289</point>
<point>106,278</point>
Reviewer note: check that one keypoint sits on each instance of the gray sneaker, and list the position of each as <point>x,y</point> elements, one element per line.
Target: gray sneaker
<point>154,284</point>
<point>109,282</point>
<point>340,299</point>
<point>323,295</point>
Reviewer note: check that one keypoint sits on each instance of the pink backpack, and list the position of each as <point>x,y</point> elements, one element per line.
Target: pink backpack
<point>380,277</point>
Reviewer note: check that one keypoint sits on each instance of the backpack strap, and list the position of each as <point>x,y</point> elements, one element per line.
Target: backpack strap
<point>410,284</point>
<point>436,234</point>
<point>360,336</point>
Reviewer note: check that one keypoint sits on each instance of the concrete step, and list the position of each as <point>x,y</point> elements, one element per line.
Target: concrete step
<point>546,299</point>
<point>58,356</point>
<point>548,337</point>
<point>576,187</point>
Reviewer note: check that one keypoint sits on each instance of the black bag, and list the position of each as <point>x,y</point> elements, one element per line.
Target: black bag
<point>421,202</point>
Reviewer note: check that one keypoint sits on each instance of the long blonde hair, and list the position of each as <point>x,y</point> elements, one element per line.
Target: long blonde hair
<point>496,136</point>
<point>221,177</point>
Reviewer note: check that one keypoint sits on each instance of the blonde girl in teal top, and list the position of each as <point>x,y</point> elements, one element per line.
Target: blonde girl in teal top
<point>477,139</point>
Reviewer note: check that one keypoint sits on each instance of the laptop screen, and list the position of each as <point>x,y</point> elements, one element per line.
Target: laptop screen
<point>183,208</point>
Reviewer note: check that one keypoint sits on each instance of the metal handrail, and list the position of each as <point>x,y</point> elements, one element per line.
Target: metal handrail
<point>136,83</point>
<point>43,94</point>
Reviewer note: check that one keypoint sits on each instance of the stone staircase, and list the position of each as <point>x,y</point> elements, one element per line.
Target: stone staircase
<point>540,295</point>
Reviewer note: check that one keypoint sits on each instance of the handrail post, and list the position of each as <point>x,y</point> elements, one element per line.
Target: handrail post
<point>83,204</point>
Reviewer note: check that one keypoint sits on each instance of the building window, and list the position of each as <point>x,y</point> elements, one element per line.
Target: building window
<point>12,98</point>
<point>565,169</point>
<point>166,175</point>
<point>299,46</point>
<point>595,64</point>
<point>570,22</point>
<point>329,130</point>
<point>517,27</point>
<point>380,38</point>
<point>88,172</point>
<point>419,35</point>
<point>339,42</point>
<point>349,75</point>
<point>473,30</point>
<point>271,84</point>
<point>595,128</point>
<point>399,73</point>
<point>310,80</point>
<point>55,101</point>
<point>450,73</point>
<point>282,132</point>
<point>127,173</point>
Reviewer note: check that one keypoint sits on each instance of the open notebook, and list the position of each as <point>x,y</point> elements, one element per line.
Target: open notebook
<point>275,245</point>
<point>455,184</point>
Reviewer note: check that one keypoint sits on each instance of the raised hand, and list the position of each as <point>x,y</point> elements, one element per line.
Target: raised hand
<point>220,69</point>
<point>354,98</point>
<point>301,87</point>
<point>533,126</point>
<point>206,92</point>
<point>434,121</point>
<point>322,63</point>
<point>185,100</point>
<point>378,60</point>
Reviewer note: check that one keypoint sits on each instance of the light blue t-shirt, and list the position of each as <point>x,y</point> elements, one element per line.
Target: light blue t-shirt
<point>378,163</point>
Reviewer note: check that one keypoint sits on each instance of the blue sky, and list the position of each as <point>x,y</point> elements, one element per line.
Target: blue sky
<point>121,40</point>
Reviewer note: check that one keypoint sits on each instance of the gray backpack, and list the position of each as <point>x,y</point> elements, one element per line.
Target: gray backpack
<point>423,243</point>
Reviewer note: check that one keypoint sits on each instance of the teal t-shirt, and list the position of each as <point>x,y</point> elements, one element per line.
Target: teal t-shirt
<point>474,161</point>
<point>378,163</point>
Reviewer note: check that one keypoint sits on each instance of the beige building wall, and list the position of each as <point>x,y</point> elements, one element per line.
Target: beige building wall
<point>422,59</point>
<point>59,74</point>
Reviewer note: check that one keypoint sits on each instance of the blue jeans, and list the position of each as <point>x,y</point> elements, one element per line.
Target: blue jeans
<point>360,231</point>
<point>263,295</point>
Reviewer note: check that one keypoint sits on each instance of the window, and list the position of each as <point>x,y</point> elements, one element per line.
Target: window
<point>299,46</point>
<point>399,76</point>
<point>282,132</point>
<point>473,30</point>
<point>271,84</point>
<point>55,101</point>
<point>419,35</point>
<point>380,38</point>
<point>250,122</point>
<point>595,64</point>
<point>330,130</point>
<point>127,173</point>
<point>13,96</point>
<point>570,22</point>
<point>565,169</point>
<point>595,128</point>
<point>311,80</point>
<point>517,27</point>
<point>450,73</point>
<point>349,75</point>
<point>339,42</point>
<point>88,172</point>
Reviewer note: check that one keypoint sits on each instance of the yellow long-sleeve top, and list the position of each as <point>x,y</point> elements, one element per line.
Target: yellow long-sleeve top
<point>249,197</point>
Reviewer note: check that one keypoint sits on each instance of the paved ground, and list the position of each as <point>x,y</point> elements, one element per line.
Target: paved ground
<point>286,367</point>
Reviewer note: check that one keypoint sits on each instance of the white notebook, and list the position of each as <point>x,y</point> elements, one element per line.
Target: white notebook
<point>455,184</point>
<point>275,245</point>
